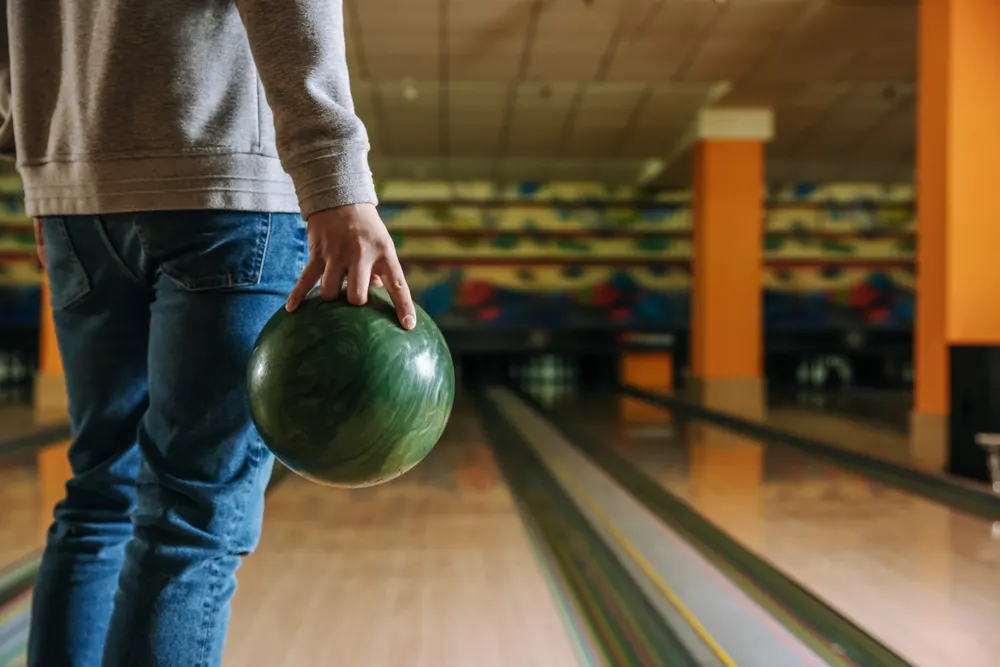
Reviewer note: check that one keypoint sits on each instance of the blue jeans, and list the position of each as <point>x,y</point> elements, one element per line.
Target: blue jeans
<point>156,315</point>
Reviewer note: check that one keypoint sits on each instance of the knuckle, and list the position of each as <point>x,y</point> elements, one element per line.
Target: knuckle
<point>357,246</point>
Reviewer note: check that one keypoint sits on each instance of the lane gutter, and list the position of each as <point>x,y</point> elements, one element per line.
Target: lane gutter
<point>810,618</point>
<point>955,493</point>
<point>620,620</point>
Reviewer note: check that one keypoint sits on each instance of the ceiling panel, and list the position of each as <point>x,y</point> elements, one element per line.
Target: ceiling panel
<point>473,140</point>
<point>648,60</point>
<point>726,59</point>
<point>591,142</point>
<point>679,18</point>
<point>403,65</point>
<point>529,141</point>
<point>413,141</point>
<point>764,19</point>
<point>595,87</point>
<point>608,104</point>
<point>497,67</point>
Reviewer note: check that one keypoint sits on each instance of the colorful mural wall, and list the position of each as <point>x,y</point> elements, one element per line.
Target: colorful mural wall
<point>19,272</point>
<point>562,255</point>
<point>581,256</point>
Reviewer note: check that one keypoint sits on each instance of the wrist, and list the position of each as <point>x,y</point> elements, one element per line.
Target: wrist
<point>345,211</point>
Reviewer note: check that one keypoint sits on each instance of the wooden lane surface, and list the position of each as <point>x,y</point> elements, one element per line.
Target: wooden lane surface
<point>841,430</point>
<point>432,570</point>
<point>20,511</point>
<point>20,491</point>
<point>919,577</point>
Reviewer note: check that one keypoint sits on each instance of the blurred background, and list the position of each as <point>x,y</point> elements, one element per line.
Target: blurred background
<point>656,459</point>
<point>534,162</point>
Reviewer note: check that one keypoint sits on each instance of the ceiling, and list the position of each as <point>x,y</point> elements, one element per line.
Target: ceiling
<point>597,89</point>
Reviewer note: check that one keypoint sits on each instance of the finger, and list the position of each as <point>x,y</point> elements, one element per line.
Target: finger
<point>377,280</point>
<point>310,276</point>
<point>399,291</point>
<point>358,278</point>
<point>332,281</point>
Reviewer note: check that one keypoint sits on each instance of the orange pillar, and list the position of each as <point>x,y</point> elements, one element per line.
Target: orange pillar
<point>53,468</point>
<point>726,317</point>
<point>726,469</point>
<point>50,385</point>
<point>958,157</point>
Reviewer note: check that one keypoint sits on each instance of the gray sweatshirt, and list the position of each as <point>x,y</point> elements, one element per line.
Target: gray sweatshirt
<point>131,105</point>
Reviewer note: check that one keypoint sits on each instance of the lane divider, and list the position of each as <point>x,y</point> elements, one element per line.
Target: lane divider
<point>959,494</point>
<point>841,640</point>
<point>624,622</point>
<point>584,646</point>
<point>590,503</point>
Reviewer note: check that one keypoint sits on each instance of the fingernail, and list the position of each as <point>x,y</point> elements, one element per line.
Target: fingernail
<point>290,305</point>
<point>409,322</point>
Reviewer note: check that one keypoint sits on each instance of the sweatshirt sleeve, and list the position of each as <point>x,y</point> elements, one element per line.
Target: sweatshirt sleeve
<point>6,102</point>
<point>298,47</point>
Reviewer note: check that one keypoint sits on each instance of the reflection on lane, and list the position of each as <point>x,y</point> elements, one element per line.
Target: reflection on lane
<point>21,521</point>
<point>434,568</point>
<point>24,508</point>
<point>897,564</point>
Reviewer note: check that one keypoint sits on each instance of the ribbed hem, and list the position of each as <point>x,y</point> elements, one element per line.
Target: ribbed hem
<point>333,176</point>
<point>241,182</point>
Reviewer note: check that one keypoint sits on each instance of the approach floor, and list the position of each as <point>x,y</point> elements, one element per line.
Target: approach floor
<point>445,567</point>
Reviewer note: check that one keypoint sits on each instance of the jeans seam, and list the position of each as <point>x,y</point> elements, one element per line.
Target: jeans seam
<point>119,262</point>
<point>228,281</point>
<point>210,610</point>
<point>255,446</point>
<point>212,603</point>
<point>262,248</point>
<point>57,304</point>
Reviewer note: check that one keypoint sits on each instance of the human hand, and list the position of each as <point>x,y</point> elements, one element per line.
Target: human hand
<point>39,242</point>
<point>353,240</point>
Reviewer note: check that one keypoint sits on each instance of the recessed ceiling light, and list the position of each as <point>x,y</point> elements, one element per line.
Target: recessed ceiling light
<point>410,92</point>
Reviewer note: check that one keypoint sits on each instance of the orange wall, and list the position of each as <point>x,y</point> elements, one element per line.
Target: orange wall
<point>973,168</point>
<point>958,160</point>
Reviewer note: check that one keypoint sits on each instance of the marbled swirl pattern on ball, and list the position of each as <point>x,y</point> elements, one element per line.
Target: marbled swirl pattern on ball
<point>344,396</point>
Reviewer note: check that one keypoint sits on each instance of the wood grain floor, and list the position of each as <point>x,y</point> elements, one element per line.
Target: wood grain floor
<point>21,497</point>
<point>431,570</point>
<point>855,436</point>
<point>19,509</point>
<point>921,578</point>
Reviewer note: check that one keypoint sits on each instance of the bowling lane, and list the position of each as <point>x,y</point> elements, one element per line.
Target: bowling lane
<point>20,512</point>
<point>883,408</point>
<point>16,419</point>
<point>20,507</point>
<point>898,565</point>
<point>870,422</point>
<point>434,569</point>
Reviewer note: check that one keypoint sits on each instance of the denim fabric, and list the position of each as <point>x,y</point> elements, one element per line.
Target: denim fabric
<point>156,315</point>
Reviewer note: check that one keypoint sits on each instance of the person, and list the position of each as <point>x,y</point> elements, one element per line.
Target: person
<point>170,152</point>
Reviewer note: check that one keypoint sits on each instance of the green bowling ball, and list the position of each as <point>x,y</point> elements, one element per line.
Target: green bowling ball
<point>344,396</point>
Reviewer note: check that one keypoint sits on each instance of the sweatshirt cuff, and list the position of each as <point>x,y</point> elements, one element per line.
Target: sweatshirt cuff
<point>332,178</point>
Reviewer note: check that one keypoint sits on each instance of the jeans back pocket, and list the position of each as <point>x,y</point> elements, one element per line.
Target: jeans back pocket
<point>206,250</point>
<point>68,279</point>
